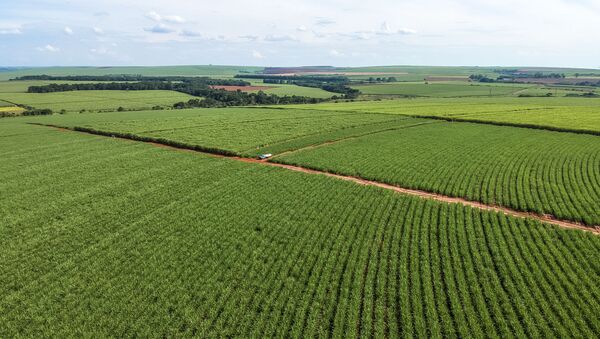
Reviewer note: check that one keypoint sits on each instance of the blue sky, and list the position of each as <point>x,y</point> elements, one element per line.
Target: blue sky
<point>307,32</point>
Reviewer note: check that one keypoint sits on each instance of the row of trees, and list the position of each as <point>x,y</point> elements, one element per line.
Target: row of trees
<point>136,78</point>
<point>221,98</point>
<point>513,77</point>
<point>481,78</point>
<point>211,97</point>
<point>381,79</point>
<point>334,83</point>
<point>122,86</point>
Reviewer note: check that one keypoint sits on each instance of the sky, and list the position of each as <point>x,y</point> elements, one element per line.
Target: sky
<point>302,32</point>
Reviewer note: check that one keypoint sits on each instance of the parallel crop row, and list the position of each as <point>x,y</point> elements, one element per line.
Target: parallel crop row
<point>113,238</point>
<point>246,131</point>
<point>578,115</point>
<point>538,171</point>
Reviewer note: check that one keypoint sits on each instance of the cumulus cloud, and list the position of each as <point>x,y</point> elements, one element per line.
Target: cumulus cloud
<point>5,31</point>
<point>301,28</point>
<point>335,53</point>
<point>98,30</point>
<point>257,55</point>
<point>68,30</point>
<point>48,48</point>
<point>160,28</point>
<point>173,19</point>
<point>152,15</point>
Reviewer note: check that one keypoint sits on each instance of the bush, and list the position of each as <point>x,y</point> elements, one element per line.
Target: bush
<point>35,111</point>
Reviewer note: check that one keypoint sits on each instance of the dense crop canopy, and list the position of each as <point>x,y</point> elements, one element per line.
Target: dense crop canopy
<point>530,170</point>
<point>112,238</point>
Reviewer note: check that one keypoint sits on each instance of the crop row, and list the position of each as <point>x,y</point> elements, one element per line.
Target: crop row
<point>232,130</point>
<point>579,115</point>
<point>528,170</point>
<point>116,238</point>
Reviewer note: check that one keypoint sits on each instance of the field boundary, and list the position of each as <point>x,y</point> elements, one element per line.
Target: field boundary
<point>178,146</point>
<point>510,124</point>
<point>483,122</point>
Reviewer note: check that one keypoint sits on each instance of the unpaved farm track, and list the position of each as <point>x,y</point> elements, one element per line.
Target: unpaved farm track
<point>423,194</point>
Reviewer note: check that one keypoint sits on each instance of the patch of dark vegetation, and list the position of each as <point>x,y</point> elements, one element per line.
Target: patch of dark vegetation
<point>525,95</point>
<point>330,83</point>
<point>135,78</point>
<point>481,78</point>
<point>584,95</point>
<point>222,98</point>
<point>516,76</point>
<point>37,111</point>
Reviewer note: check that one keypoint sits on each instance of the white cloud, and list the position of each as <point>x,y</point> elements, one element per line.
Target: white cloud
<point>153,16</point>
<point>48,48</point>
<point>6,31</point>
<point>467,31</point>
<point>336,53</point>
<point>68,30</point>
<point>407,31</point>
<point>386,29</point>
<point>257,55</point>
<point>190,33</point>
<point>160,28</point>
<point>98,30</point>
<point>174,19</point>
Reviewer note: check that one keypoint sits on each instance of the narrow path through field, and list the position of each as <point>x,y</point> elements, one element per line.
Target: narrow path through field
<point>423,194</point>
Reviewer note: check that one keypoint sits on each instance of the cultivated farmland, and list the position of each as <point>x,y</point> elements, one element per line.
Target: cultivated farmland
<point>235,130</point>
<point>128,239</point>
<point>539,171</point>
<point>97,100</point>
<point>171,223</point>
<point>438,89</point>
<point>570,114</point>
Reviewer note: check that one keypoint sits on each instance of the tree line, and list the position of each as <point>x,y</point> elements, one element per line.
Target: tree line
<point>211,97</point>
<point>334,83</point>
<point>221,98</point>
<point>136,78</point>
<point>512,77</point>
